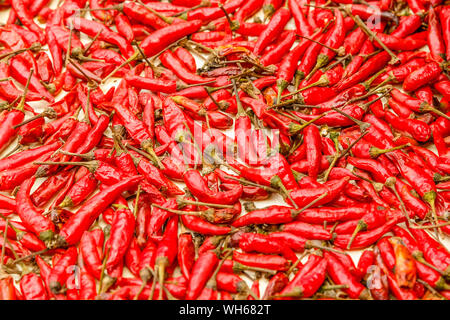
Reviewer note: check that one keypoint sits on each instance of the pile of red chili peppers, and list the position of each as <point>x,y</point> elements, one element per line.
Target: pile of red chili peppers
<point>345,115</point>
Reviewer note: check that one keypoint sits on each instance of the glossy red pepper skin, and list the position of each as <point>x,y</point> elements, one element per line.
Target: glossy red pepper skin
<point>308,280</point>
<point>74,228</point>
<point>340,274</point>
<point>122,230</point>
<point>422,76</point>
<point>31,217</point>
<point>161,38</point>
<point>201,271</point>
<point>62,270</point>
<point>274,28</point>
<point>32,287</point>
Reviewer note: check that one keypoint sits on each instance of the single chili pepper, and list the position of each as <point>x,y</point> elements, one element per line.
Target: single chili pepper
<point>340,275</point>
<point>306,230</point>
<point>167,250</point>
<point>79,191</point>
<point>331,188</point>
<point>87,286</point>
<point>419,129</point>
<point>198,187</point>
<point>422,76</point>
<point>405,267</point>
<point>121,234</point>
<point>435,39</point>
<point>232,283</point>
<point>186,57</point>
<point>133,257</point>
<point>60,273</point>
<point>32,287</point>
<point>186,254</point>
<point>252,242</point>
<point>27,156</point>
<point>91,255</point>
<point>247,10</point>
<point>365,262</point>
<point>274,28</point>
<point>308,280</point>
<point>78,223</point>
<point>370,67</point>
<point>170,61</point>
<point>200,273</point>
<point>26,18</point>
<point>264,261</point>
<point>432,250</point>
<point>32,218</point>
<point>407,25</point>
<point>387,252</point>
<point>313,149</point>
<point>7,289</point>
<point>275,285</point>
<point>364,239</point>
<point>161,38</point>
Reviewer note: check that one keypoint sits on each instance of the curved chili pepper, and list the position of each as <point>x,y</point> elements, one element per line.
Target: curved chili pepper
<point>32,218</point>
<point>60,271</point>
<point>74,228</point>
<point>273,29</point>
<point>422,76</point>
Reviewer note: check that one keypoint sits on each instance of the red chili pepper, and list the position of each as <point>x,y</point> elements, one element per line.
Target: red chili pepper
<point>274,28</point>
<point>32,287</point>
<point>308,280</point>
<point>121,234</point>
<point>422,76</point>
<point>264,261</point>
<point>61,270</point>
<point>31,217</point>
<point>78,223</point>
<point>364,239</point>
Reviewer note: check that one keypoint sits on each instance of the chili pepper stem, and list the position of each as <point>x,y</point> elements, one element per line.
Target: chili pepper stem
<point>21,105</point>
<point>359,227</point>
<point>147,146</point>
<point>232,24</point>
<point>199,203</point>
<point>136,55</point>
<point>204,3</point>
<point>295,213</point>
<point>323,81</point>
<point>370,34</point>
<point>390,182</point>
<point>30,256</point>
<point>430,226</point>
<point>276,181</point>
<point>49,113</point>
<point>102,273</point>
<point>168,20</point>
<point>322,60</point>
<point>250,183</point>
<point>375,152</point>
<point>86,50</point>
<point>430,198</point>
